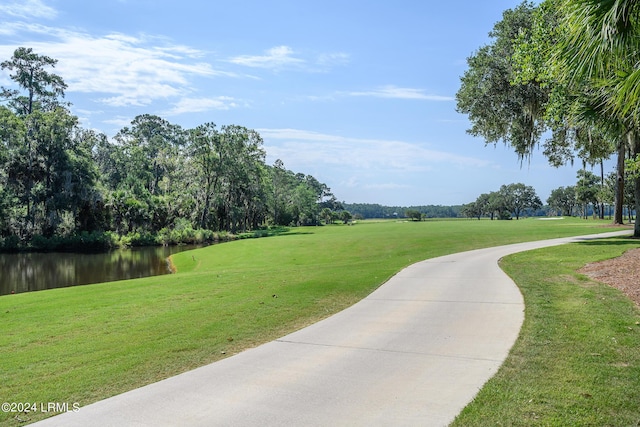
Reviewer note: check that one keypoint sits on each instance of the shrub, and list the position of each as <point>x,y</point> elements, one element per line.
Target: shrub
<point>10,243</point>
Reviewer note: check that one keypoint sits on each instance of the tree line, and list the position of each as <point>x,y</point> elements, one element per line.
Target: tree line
<point>374,210</point>
<point>562,74</point>
<point>511,199</point>
<point>591,196</point>
<point>154,182</point>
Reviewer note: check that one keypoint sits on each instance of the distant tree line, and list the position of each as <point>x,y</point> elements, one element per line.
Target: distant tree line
<point>372,210</point>
<point>510,200</point>
<point>590,196</point>
<point>154,182</point>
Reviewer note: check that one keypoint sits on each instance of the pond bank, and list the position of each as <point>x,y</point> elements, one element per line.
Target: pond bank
<point>32,271</point>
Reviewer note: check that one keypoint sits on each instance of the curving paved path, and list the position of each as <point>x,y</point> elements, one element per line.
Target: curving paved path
<point>414,352</point>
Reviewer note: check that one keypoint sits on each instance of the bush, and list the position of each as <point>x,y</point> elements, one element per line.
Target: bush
<point>94,242</point>
<point>183,233</point>
<point>97,241</point>
<point>138,239</point>
<point>10,243</point>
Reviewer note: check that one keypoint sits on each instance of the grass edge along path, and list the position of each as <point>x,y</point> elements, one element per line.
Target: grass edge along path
<point>86,343</point>
<point>577,359</point>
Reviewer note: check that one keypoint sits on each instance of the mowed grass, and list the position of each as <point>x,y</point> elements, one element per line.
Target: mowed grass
<point>577,360</point>
<point>86,343</point>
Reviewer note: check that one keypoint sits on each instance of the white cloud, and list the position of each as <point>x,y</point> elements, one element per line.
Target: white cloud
<point>274,58</point>
<point>126,70</point>
<point>371,170</point>
<point>309,149</point>
<point>391,91</point>
<point>120,121</point>
<point>281,57</point>
<point>27,9</point>
<point>196,105</point>
<point>326,60</point>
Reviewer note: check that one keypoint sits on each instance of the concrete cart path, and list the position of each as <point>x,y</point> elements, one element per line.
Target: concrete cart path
<point>414,352</point>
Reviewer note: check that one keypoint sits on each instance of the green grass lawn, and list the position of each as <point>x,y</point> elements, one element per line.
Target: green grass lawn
<point>577,360</point>
<point>86,343</point>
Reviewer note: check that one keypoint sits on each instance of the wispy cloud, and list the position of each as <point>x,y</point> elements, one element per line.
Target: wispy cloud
<point>122,70</point>
<point>309,149</point>
<point>384,170</point>
<point>119,121</point>
<point>196,105</point>
<point>332,59</point>
<point>284,57</point>
<point>27,9</point>
<point>396,92</point>
<point>274,58</point>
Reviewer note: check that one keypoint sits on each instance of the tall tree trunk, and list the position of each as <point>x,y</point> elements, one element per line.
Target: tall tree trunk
<point>602,188</point>
<point>205,210</point>
<point>635,150</point>
<point>619,199</point>
<point>31,216</point>
<point>636,194</point>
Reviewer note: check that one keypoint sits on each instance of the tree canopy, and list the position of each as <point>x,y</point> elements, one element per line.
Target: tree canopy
<point>510,199</point>
<point>563,68</point>
<point>499,109</point>
<point>152,181</point>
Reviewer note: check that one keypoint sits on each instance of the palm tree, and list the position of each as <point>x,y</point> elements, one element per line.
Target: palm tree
<point>601,46</point>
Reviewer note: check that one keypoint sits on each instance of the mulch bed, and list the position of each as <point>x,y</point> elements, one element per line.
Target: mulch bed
<point>622,273</point>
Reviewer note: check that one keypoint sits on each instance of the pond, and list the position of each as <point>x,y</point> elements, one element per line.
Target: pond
<point>27,272</point>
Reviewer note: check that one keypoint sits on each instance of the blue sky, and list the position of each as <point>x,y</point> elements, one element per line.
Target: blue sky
<point>359,94</point>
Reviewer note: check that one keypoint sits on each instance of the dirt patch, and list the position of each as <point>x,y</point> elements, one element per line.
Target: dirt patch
<point>622,273</point>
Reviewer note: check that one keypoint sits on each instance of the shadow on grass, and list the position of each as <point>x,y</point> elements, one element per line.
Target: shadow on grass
<point>272,231</point>
<point>295,233</point>
<point>622,240</point>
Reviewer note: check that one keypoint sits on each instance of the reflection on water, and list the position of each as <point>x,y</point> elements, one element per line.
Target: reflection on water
<point>27,272</point>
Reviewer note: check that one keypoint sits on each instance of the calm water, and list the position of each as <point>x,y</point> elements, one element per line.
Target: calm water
<point>38,271</point>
